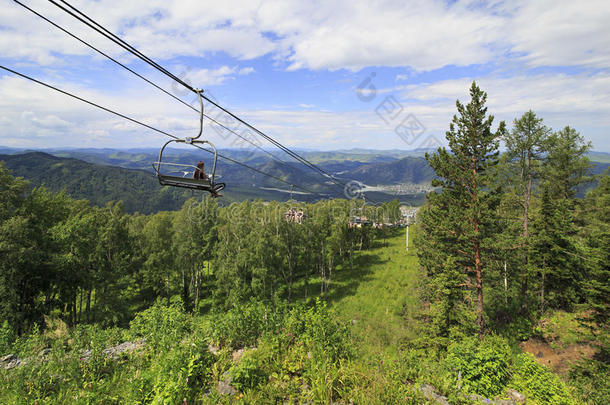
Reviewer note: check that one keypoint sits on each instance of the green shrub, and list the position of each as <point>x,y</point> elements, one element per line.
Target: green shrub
<point>248,373</point>
<point>180,374</point>
<point>30,344</point>
<point>160,325</point>
<point>538,382</point>
<point>325,337</point>
<point>245,323</point>
<point>86,337</point>
<point>562,327</point>
<point>483,367</point>
<point>520,328</point>
<point>7,336</point>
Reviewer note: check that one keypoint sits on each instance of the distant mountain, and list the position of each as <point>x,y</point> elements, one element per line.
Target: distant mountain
<point>111,175</point>
<point>601,157</point>
<point>139,190</point>
<point>102,175</point>
<point>599,167</point>
<point>341,164</point>
<point>414,170</point>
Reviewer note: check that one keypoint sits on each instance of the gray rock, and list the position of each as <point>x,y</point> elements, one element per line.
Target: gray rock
<point>516,396</point>
<point>431,394</point>
<point>85,354</point>
<point>13,364</point>
<point>8,358</point>
<point>224,386</point>
<point>125,347</point>
<point>484,400</point>
<point>10,361</point>
<point>237,355</point>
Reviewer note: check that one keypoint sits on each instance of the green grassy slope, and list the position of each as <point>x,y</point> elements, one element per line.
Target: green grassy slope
<point>382,306</point>
<point>378,297</point>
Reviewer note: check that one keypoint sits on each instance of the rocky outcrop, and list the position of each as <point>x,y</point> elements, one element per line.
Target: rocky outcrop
<point>225,387</point>
<point>516,398</point>
<point>11,361</point>
<point>431,394</point>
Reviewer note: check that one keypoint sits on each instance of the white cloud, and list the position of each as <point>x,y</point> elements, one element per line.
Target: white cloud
<point>582,97</point>
<point>567,33</point>
<point>207,77</point>
<point>245,71</point>
<point>422,34</point>
<point>351,34</point>
<point>51,122</point>
<point>210,77</point>
<point>319,35</point>
<point>581,101</point>
<point>159,29</point>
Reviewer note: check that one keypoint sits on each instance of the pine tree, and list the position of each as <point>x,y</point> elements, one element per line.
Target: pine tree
<point>465,207</point>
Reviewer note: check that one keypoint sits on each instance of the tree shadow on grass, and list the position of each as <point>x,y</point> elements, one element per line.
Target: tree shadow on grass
<point>345,281</point>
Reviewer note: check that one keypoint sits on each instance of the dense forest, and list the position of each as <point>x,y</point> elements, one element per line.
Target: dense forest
<point>246,303</point>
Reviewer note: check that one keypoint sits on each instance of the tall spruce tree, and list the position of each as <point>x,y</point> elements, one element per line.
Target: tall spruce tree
<point>466,206</point>
<point>525,147</point>
<point>565,168</point>
<point>597,239</point>
<point>567,165</point>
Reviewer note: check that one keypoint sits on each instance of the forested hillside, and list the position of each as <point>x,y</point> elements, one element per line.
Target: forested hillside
<point>100,181</point>
<point>138,190</point>
<point>502,297</point>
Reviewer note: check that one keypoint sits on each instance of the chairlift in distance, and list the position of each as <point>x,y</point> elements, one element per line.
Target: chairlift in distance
<point>166,171</point>
<point>295,213</point>
<point>357,216</point>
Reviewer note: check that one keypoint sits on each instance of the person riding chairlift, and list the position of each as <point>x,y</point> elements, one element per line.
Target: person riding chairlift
<point>199,174</point>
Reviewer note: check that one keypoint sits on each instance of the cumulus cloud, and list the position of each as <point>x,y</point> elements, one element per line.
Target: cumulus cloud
<point>581,101</point>
<point>210,77</point>
<point>245,71</point>
<point>510,38</point>
<point>551,33</point>
<point>50,122</point>
<point>584,98</point>
<point>342,34</point>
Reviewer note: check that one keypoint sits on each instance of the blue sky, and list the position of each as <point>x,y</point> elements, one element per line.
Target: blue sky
<point>312,74</point>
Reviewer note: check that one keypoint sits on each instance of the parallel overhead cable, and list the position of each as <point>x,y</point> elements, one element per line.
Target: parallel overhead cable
<point>149,127</point>
<point>85,19</point>
<point>145,79</point>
